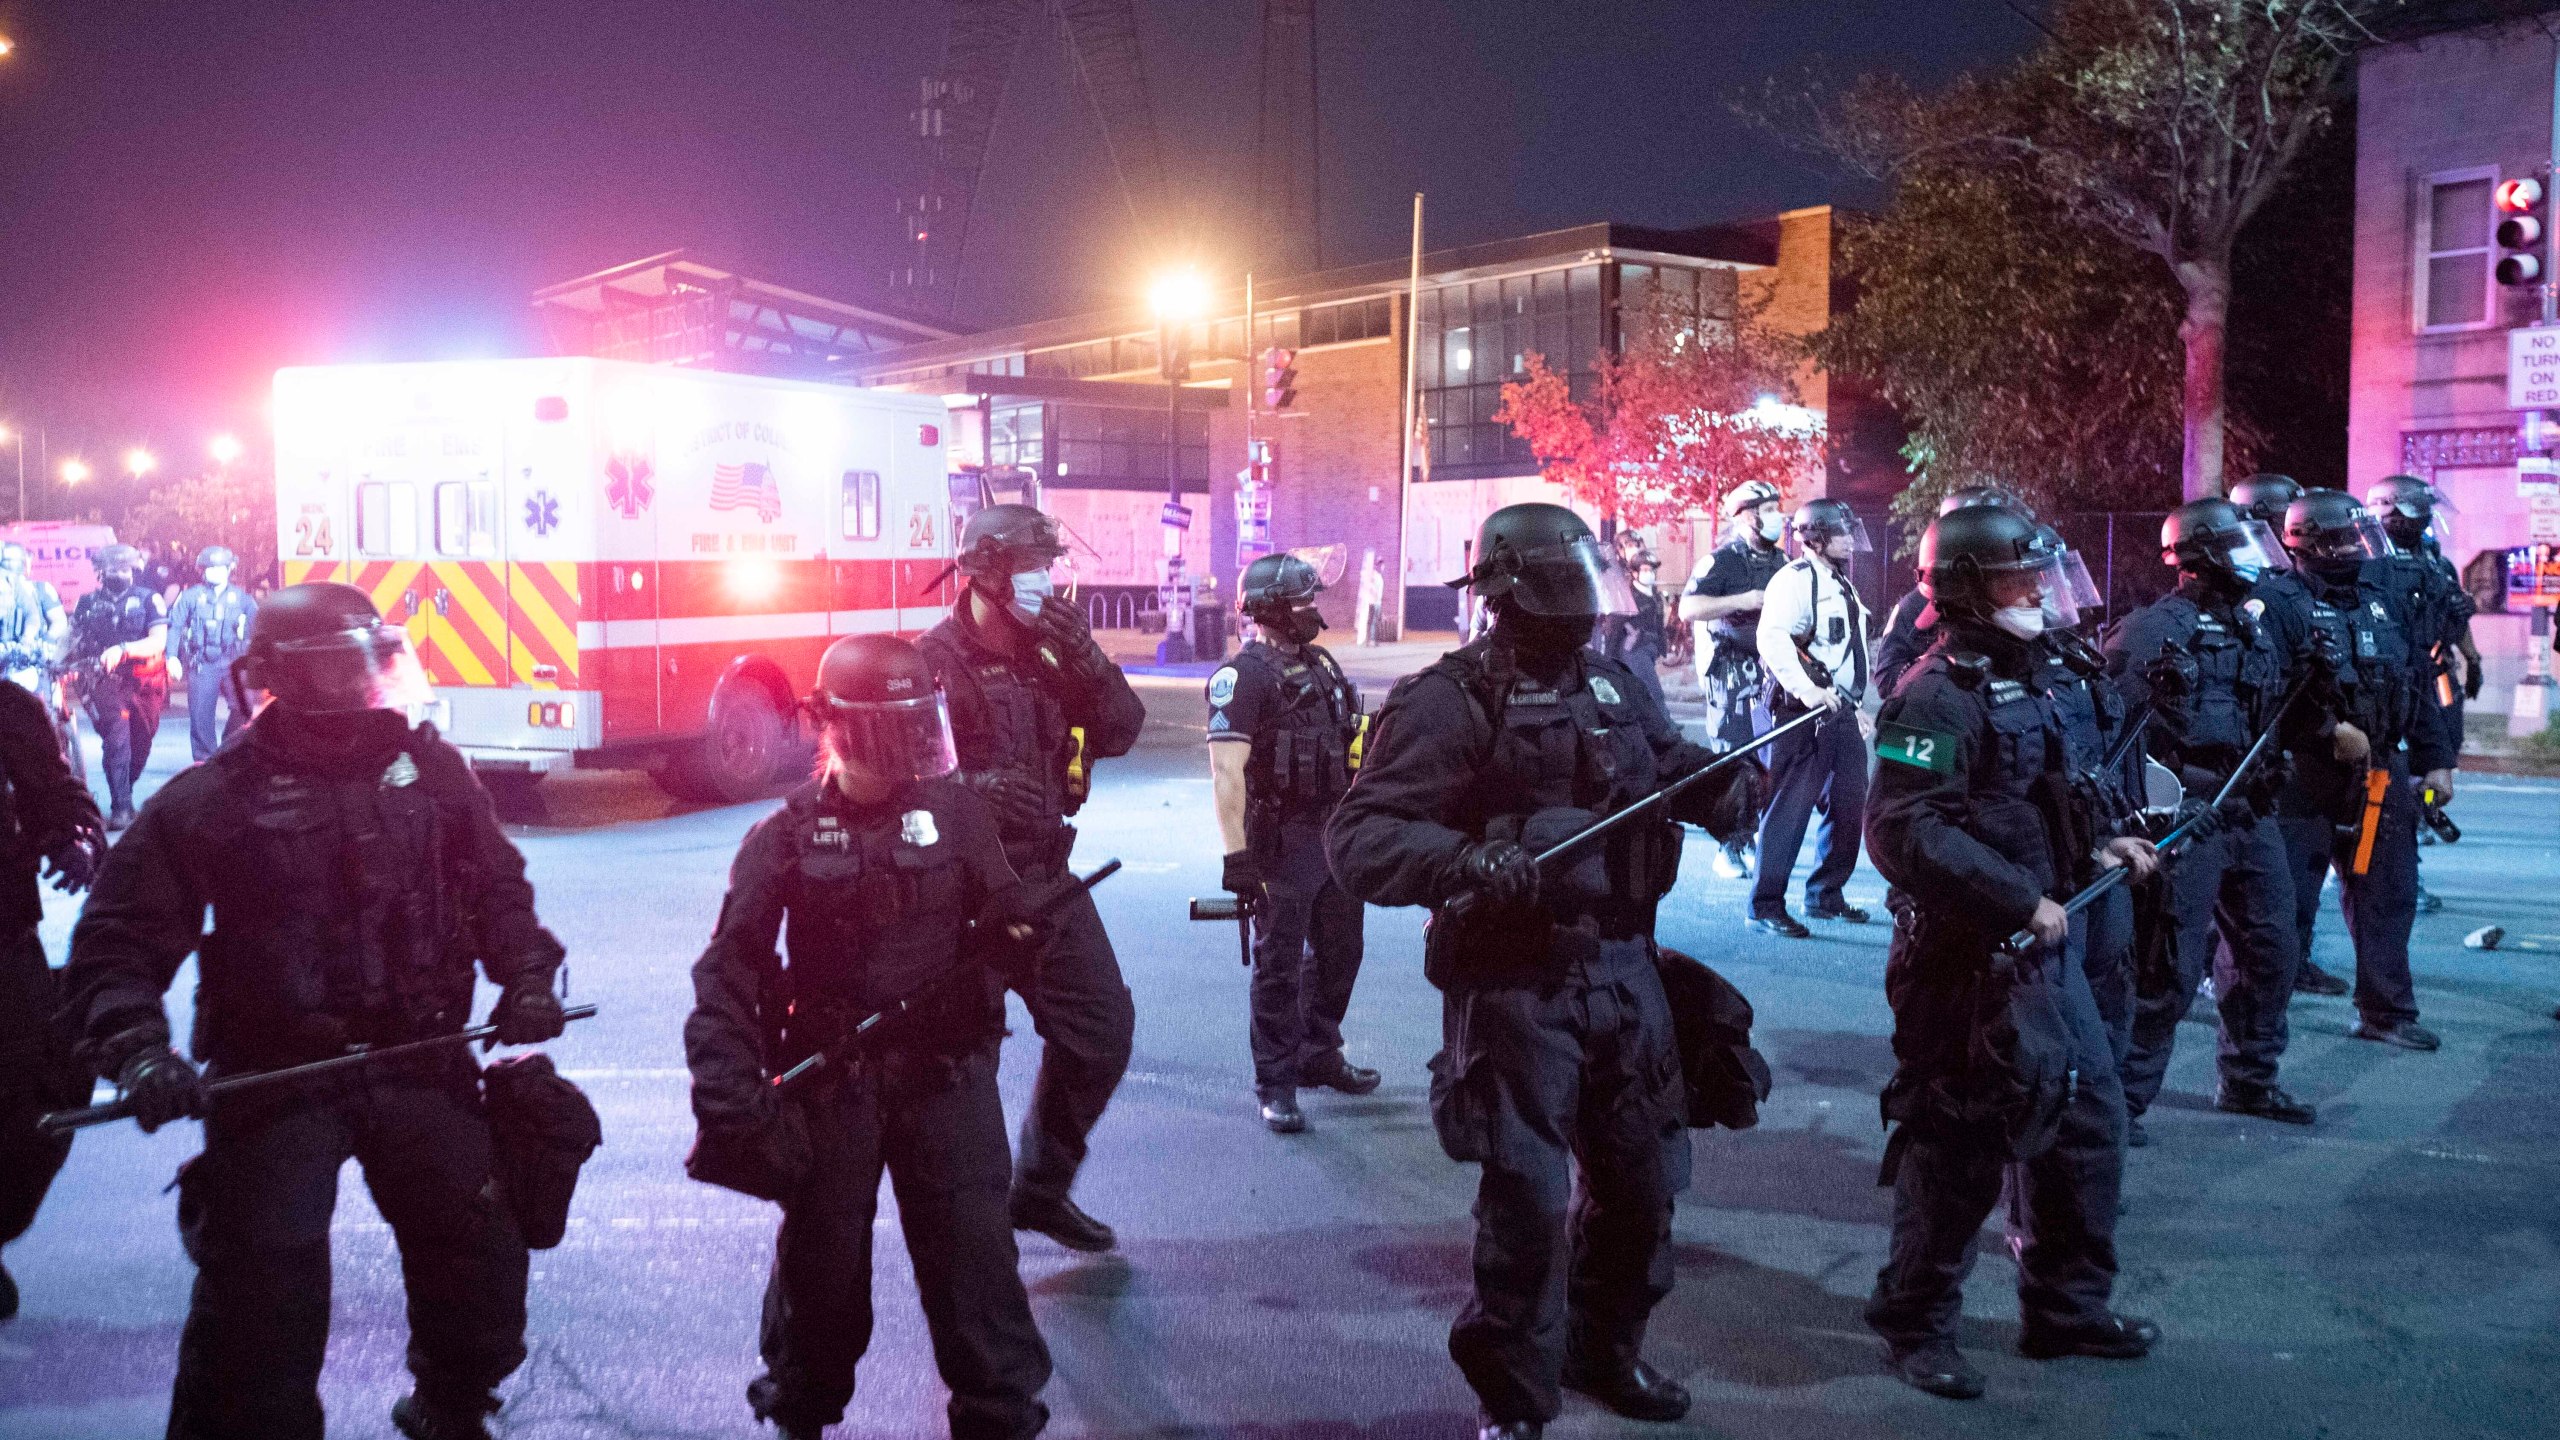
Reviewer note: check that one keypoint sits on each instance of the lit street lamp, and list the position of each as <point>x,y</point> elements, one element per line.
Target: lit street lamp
<point>224,448</point>
<point>74,470</point>
<point>1179,298</point>
<point>6,46</point>
<point>139,462</point>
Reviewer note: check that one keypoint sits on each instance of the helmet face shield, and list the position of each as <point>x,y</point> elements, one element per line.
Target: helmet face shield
<point>897,740</point>
<point>1802,538</point>
<point>2359,539</point>
<point>368,667</point>
<point>2256,551</point>
<point>1571,578</point>
<point>2068,591</point>
<point>1328,561</point>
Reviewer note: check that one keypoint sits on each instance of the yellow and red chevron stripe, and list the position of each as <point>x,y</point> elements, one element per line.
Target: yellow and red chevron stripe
<point>499,625</point>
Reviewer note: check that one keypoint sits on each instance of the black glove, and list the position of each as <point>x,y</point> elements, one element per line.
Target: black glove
<point>1581,873</point>
<point>1019,801</point>
<point>2204,820</point>
<point>1241,876</point>
<point>527,1013</point>
<point>1013,927</point>
<point>72,863</point>
<point>2236,813</point>
<point>2471,679</point>
<point>1062,627</point>
<point>161,1086</point>
<point>1499,870</point>
<point>1727,807</point>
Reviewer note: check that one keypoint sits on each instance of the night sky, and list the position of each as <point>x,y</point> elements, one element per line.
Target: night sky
<point>192,194</point>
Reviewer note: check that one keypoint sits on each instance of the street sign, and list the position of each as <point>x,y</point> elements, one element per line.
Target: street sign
<point>2533,368</point>
<point>1177,517</point>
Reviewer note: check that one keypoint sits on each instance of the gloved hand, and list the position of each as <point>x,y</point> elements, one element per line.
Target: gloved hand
<point>1063,626</point>
<point>1018,800</point>
<point>1241,876</point>
<point>1498,870</point>
<point>161,1085</point>
<point>72,864</point>
<point>1013,926</point>
<point>1727,806</point>
<point>527,1013</point>
<point>2236,813</point>
<point>1580,874</point>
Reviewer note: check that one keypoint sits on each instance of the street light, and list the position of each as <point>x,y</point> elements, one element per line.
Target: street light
<point>138,462</point>
<point>19,438</point>
<point>225,448</point>
<point>1179,298</point>
<point>74,470</point>
<point>6,45</point>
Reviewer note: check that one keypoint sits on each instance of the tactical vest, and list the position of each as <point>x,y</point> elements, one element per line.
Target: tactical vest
<point>2018,800</point>
<point>1301,758</point>
<point>347,923</point>
<point>2372,658</point>
<point>2091,715</point>
<point>1741,631</point>
<point>2237,683</point>
<point>217,625</point>
<point>1003,717</point>
<point>875,910</point>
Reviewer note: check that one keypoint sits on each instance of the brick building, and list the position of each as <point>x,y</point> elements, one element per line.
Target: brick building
<point>1022,400</point>
<point>2445,112</point>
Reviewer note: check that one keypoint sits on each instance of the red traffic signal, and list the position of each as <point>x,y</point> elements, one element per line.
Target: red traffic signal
<point>1279,378</point>
<point>2520,230</point>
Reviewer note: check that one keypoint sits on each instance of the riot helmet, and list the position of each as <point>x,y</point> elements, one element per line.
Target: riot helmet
<point>2220,541</point>
<point>2266,495</point>
<point>2410,510</point>
<point>1756,506</point>
<point>1969,556</point>
<point>1968,495</point>
<point>1541,559</point>
<point>116,566</point>
<point>1278,592</point>
<point>2331,535</point>
<point>213,558</point>
<point>1006,551</point>
<point>880,710</point>
<point>323,649</point>
<point>1819,522</point>
<point>2070,593</point>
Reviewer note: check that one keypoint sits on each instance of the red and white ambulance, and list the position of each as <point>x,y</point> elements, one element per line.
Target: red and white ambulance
<point>606,563</point>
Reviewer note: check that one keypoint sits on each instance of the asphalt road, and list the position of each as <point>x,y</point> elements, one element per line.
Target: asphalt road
<point>2393,1272</point>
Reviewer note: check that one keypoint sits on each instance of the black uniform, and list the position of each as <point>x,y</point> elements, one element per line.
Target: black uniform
<point>42,807</point>
<point>2093,714</point>
<point>2369,675</point>
<point>1300,716</point>
<point>873,902</point>
<point>1729,669</point>
<point>124,703</point>
<point>1905,641</point>
<point>2002,1063</point>
<point>400,880</point>
<point>1016,714</point>
<point>208,629</point>
<point>1557,1072</point>
<point>2239,875</point>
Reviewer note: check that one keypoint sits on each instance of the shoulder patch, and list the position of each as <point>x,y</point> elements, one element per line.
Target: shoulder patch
<point>916,828</point>
<point>1222,686</point>
<point>1920,749</point>
<point>1602,690</point>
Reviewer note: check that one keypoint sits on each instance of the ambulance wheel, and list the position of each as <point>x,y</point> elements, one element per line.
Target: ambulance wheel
<point>739,757</point>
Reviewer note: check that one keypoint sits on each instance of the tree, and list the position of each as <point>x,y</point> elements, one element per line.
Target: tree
<point>235,508</point>
<point>2163,125</point>
<point>1691,409</point>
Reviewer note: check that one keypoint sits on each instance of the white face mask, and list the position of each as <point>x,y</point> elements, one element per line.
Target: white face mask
<point>217,576</point>
<point>1773,527</point>
<point>1029,589</point>
<point>2024,621</point>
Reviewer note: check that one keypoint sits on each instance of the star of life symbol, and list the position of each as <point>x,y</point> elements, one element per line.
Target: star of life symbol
<point>627,488</point>
<point>542,512</point>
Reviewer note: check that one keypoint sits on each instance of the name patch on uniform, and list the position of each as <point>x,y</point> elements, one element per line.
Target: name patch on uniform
<point>2006,692</point>
<point>1601,689</point>
<point>1222,686</point>
<point>831,835</point>
<point>916,828</point>
<point>1921,749</point>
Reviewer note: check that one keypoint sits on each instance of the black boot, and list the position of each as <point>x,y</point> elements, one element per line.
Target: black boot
<point>2312,980</point>
<point>422,1419</point>
<point>1060,1220</point>
<point>1350,1079</point>
<point>1939,1368</point>
<point>1489,1429</point>
<point>8,1293</point>
<point>762,1393</point>
<point>1280,1111</point>
<point>1638,1392</point>
<point>2118,1337</point>
<point>2267,1103</point>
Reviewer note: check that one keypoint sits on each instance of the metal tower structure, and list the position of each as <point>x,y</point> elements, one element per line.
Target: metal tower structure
<point>958,117</point>
<point>1287,196</point>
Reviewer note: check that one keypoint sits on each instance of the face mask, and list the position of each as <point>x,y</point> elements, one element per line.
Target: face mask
<point>1545,636</point>
<point>1773,527</point>
<point>116,582</point>
<point>1029,589</point>
<point>217,576</point>
<point>2024,621</point>
<point>1300,625</point>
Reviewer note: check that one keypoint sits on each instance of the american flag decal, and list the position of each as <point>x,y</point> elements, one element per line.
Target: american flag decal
<point>747,487</point>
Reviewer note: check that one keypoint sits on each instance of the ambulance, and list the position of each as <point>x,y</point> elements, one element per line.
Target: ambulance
<point>602,563</point>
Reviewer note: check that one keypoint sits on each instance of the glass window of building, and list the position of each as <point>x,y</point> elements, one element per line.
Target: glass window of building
<point>2453,285</point>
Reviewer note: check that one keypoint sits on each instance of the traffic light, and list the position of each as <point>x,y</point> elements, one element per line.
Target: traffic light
<point>1279,378</point>
<point>2521,220</point>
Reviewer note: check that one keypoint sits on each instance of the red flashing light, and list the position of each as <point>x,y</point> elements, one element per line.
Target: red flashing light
<point>2515,197</point>
<point>551,409</point>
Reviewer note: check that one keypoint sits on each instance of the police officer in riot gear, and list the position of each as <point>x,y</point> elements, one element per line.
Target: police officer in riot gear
<point>2004,1067</point>
<point>1813,644</point>
<point>1722,608</point>
<point>2416,517</point>
<point>2351,801</point>
<point>1282,724</point>
<point>1905,639</point>
<point>2214,680</point>
<point>208,628</point>
<point>1558,1073</point>
<point>400,882</point>
<point>1034,702</point>
<point>118,632</point>
<point>56,828</point>
<point>31,619</point>
<point>870,876</point>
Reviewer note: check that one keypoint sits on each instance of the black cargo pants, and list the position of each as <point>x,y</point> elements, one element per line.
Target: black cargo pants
<point>938,1130</point>
<point>2237,884</point>
<point>1306,957</point>
<point>34,1078</point>
<point>1568,1093</point>
<point>254,1212</point>
<point>126,711</point>
<point>1087,1023</point>
<point>2381,905</point>
<point>1947,1181</point>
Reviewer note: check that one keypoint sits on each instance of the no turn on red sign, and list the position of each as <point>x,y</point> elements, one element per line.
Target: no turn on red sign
<point>2533,368</point>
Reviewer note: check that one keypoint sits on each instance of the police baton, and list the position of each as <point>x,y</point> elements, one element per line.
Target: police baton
<point>903,1004</point>
<point>2168,846</point>
<point>1458,907</point>
<point>63,1122</point>
<point>1229,907</point>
